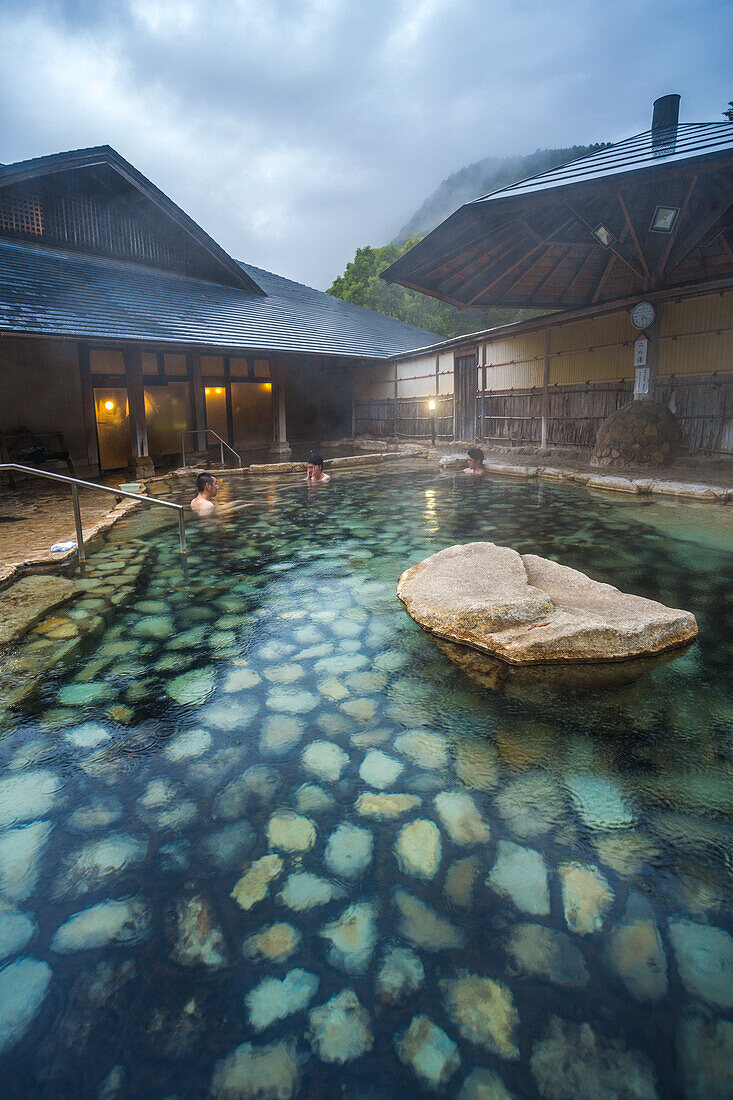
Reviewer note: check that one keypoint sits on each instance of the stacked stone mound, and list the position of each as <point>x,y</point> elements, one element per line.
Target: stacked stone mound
<point>642,433</point>
<point>528,610</point>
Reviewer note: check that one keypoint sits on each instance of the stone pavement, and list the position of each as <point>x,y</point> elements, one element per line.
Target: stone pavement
<point>36,515</point>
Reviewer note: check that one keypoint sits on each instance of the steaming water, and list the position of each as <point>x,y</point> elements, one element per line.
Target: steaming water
<point>516,893</point>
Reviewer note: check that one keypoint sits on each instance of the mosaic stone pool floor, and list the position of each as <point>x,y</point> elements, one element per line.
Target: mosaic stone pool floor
<point>260,838</point>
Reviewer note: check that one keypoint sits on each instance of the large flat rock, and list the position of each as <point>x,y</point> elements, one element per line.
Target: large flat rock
<point>527,610</point>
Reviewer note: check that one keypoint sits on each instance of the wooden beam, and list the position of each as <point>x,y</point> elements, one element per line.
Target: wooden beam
<point>680,216</point>
<point>635,239</point>
<point>508,271</point>
<point>604,277</point>
<point>683,246</point>
<point>538,289</point>
<point>586,262</point>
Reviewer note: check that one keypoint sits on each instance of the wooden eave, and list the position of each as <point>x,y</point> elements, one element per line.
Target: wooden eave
<point>537,250</point>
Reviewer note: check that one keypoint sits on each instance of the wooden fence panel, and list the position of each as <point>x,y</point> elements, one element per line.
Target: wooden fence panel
<point>703,406</point>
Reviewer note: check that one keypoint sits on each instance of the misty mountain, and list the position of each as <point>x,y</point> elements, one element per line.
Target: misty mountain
<point>482,178</point>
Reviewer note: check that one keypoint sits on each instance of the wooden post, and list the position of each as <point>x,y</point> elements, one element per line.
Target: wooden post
<point>140,464</point>
<point>197,399</point>
<point>483,391</point>
<point>396,384</point>
<point>279,422</point>
<point>88,411</point>
<point>357,367</point>
<point>229,403</point>
<point>545,394</point>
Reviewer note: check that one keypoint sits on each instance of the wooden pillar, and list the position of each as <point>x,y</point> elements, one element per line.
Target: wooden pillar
<point>197,399</point>
<point>140,464</point>
<point>230,405</point>
<point>396,402</point>
<point>88,411</point>
<point>483,392</point>
<point>279,422</point>
<point>545,393</point>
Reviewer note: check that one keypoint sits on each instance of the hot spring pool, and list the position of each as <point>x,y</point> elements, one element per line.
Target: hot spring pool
<point>259,837</point>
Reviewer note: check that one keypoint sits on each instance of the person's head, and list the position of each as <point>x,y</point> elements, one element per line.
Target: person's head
<point>206,486</point>
<point>315,464</point>
<point>475,458</point>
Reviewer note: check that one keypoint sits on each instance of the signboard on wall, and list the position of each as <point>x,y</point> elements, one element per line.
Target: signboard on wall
<point>641,383</point>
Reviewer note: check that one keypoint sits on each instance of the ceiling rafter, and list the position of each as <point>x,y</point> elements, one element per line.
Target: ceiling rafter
<point>635,238</point>
<point>498,276</point>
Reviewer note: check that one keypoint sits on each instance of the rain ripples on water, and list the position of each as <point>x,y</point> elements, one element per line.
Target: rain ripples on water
<point>260,837</point>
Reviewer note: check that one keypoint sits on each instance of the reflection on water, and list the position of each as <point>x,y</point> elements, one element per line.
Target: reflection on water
<point>261,837</point>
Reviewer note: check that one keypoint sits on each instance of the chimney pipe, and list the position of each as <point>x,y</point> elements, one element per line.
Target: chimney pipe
<point>666,112</point>
<point>664,125</point>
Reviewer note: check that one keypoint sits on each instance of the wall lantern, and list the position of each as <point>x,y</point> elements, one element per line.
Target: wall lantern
<point>109,406</point>
<point>603,236</point>
<point>664,219</point>
<point>431,406</point>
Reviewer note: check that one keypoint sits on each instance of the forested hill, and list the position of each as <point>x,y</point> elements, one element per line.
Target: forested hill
<point>482,178</point>
<point>361,282</point>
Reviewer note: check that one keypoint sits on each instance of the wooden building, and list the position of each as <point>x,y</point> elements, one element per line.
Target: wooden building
<point>123,325</point>
<point>650,220</point>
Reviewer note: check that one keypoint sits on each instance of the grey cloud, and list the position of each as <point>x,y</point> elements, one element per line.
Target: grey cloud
<point>295,131</point>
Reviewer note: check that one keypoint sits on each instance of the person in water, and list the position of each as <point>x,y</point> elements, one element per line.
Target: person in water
<point>314,470</point>
<point>206,489</point>
<point>475,462</point>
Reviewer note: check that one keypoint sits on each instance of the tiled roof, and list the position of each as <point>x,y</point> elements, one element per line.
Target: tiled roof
<point>54,293</point>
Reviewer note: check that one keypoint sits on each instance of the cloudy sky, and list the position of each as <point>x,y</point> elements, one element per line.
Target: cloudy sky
<point>294,131</point>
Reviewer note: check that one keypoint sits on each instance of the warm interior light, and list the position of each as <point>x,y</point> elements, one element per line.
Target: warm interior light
<point>219,389</point>
<point>431,406</point>
<point>267,385</point>
<point>109,405</point>
<point>207,390</point>
<point>603,236</point>
<point>664,219</point>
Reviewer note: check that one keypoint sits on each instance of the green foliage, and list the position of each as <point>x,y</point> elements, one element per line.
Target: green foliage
<point>361,285</point>
<point>728,113</point>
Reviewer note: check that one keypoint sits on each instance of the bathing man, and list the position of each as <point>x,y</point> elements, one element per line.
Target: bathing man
<point>314,470</point>
<point>206,489</point>
<point>475,462</point>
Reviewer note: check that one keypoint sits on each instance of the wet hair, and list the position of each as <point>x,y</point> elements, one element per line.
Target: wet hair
<point>315,460</point>
<point>476,454</point>
<point>203,480</point>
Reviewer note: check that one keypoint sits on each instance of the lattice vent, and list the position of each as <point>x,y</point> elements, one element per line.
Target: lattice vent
<point>21,214</point>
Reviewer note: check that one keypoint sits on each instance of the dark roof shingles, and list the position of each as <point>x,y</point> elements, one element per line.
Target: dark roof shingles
<point>49,292</point>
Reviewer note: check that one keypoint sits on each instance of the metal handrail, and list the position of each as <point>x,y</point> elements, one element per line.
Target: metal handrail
<point>222,445</point>
<point>75,482</point>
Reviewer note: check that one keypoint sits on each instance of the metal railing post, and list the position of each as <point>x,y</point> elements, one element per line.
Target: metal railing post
<point>183,451</point>
<point>75,482</point>
<point>221,453</point>
<point>182,534</point>
<point>80,552</point>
